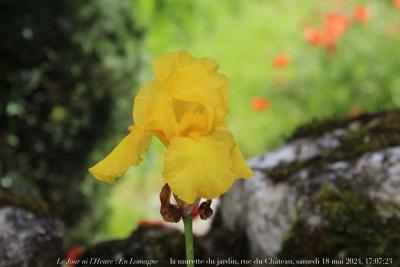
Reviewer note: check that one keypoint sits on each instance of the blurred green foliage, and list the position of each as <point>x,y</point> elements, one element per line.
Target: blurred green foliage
<point>65,66</point>
<point>244,37</point>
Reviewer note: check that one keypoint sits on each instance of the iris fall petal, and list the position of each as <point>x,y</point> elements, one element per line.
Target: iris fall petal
<point>199,167</point>
<point>125,154</point>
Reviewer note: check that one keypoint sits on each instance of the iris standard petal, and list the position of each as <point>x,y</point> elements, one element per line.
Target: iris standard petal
<point>194,80</point>
<point>125,154</point>
<point>191,118</point>
<point>153,111</point>
<point>164,65</point>
<point>196,83</point>
<point>199,167</point>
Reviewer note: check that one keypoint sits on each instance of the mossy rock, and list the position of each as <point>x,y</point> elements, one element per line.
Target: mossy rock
<point>330,191</point>
<point>356,136</point>
<point>350,226</point>
<point>33,205</point>
<point>29,234</point>
<point>165,245</point>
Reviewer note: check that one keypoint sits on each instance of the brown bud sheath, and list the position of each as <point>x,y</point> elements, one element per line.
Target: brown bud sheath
<point>187,209</point>
<point>169,212</point>
<point>205,210</point>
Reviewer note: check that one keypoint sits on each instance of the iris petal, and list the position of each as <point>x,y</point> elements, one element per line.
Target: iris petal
<point>200,167</point>
<point>164,65</point>
<point>153,111</point>
<point>125,154</point>
<point>194,80</point>
<point>195,83</point>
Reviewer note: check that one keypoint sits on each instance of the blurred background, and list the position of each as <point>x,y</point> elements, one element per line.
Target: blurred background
<point>70,70</point>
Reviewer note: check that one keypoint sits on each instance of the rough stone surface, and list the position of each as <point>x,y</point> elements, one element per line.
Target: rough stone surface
<point>146,245</point>
<point>156,245</point>
<point>28,239</point>
<point>286,181</point>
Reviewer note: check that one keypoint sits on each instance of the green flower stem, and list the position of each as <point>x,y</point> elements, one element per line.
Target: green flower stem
<point>187,223</point>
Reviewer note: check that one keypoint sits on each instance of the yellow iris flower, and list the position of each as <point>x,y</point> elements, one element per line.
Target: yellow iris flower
<point>184,107</point>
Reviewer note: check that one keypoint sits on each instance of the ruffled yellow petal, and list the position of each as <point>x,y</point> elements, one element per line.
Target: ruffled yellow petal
<point>153,111</point>
<point>125,154</point>
<point>164,65</point>
<point>191,118</point>
<point>196,83</point>
<point>194,80</point>
<point>239,166</point>
<point>200,167</point>
<point>209,63</point>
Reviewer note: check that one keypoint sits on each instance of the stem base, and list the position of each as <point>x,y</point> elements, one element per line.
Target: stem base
<point>187,223</point>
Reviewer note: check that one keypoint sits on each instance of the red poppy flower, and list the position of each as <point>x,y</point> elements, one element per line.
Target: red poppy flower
<point>259,103</point>
<point>74,254</point>
<point>396,4</point>
<point>281,61</point>
<point>313,35</point>
<point>335,25</point>
<point>362,14</point>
